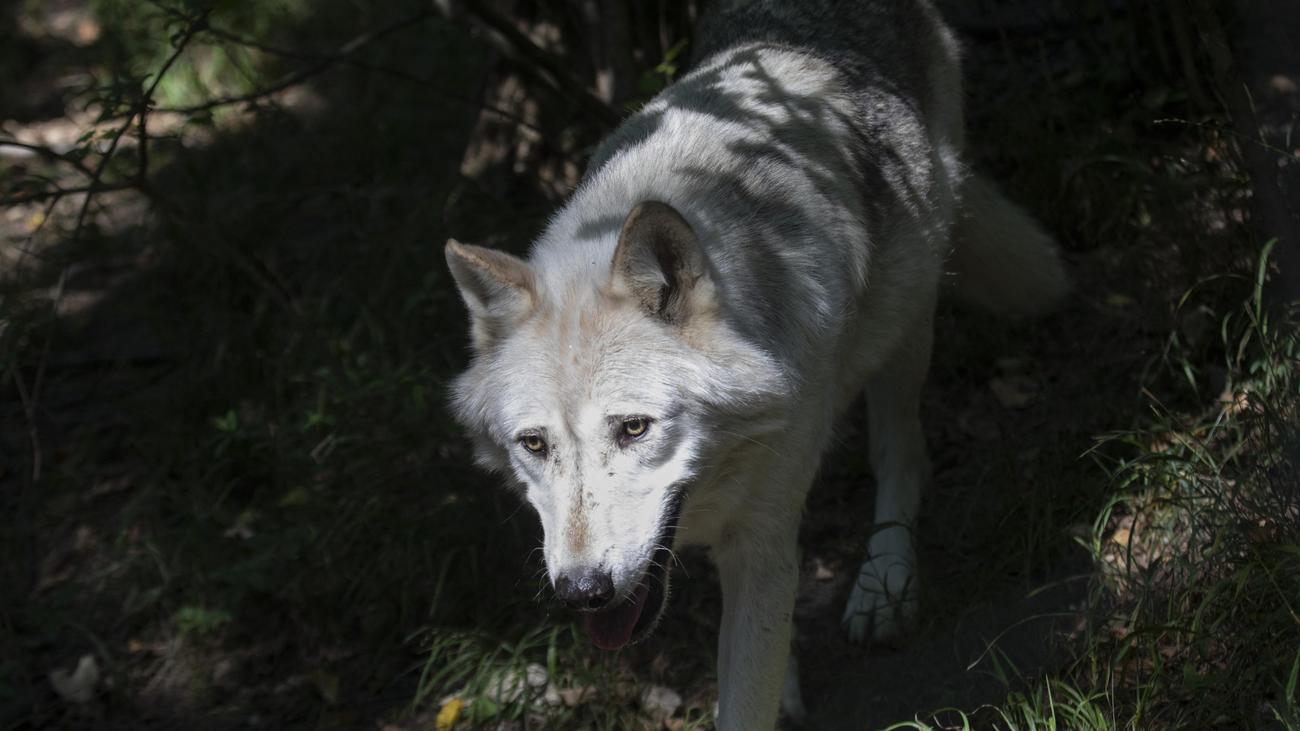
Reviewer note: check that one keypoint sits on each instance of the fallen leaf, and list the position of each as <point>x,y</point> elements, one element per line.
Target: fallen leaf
<point>79,685</point>
<point>1121,536</point>
<point>1115,299</point>
<point>1014,392</point>
<point>574,697</point>
<point>448,714</point>
<point>822,572</point>
<point>88,31</point>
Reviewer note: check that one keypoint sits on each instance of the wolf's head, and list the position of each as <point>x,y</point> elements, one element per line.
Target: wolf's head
<point>604,391</point>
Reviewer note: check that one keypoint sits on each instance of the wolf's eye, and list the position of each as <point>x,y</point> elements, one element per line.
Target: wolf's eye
<point>533,443</point>
<point>633,428</point>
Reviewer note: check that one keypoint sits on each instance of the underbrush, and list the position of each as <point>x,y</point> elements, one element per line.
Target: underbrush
<point>1193,619</point>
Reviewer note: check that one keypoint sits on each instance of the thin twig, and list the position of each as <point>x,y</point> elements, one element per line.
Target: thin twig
<point>29,411</point>
<point>59,193</point>
<point>142,137</point>
<point>32,399</point>
<point>140,109</point>
<point>322,62</point>
<point>48,153</point>
<point>514,42</point>
<point>320,66</point>
<point>29,406</point>
<point>357,63</point>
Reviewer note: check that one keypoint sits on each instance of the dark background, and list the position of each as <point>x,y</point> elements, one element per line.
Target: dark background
<point>231,494</point>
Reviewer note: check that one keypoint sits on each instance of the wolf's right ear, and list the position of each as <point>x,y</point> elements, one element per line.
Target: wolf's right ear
<point>499,290</point>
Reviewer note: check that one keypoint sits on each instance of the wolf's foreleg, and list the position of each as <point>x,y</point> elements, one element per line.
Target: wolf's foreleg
<point>760,573</point>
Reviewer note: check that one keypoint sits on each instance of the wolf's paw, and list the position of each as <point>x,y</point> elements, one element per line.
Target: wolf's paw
<point>883,601</point>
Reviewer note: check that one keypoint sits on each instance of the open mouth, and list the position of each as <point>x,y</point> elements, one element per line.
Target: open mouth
<point>634,617</point>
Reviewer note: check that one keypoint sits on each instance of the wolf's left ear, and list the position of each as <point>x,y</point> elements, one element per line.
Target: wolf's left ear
<point>499,290</point>
<point>658,261</point>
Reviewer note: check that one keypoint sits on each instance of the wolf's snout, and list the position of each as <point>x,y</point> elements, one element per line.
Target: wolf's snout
<point>586,588</point>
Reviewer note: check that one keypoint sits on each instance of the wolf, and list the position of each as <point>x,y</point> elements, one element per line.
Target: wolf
<point>761,242</point>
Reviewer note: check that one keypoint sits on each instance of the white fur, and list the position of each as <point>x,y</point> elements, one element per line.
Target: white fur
<point>823,205</point>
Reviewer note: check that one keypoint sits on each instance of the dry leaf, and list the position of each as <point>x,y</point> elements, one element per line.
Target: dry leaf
<point>574,697</point>
<point>1121,536</point>
<point>448,714</point>
<point>78,686</point>
<point>822,572</point>
<point>1014,392</point>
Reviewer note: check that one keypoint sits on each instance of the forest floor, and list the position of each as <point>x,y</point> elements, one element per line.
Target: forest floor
<point>233,497</point>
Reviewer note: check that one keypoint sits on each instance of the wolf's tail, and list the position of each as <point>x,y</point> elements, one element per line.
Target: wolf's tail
<point>1004,261</point>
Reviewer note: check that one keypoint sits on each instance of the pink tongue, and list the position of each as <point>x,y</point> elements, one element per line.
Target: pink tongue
<point>612,628</point>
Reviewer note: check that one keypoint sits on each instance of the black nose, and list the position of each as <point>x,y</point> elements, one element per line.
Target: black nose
<point>585,588</point>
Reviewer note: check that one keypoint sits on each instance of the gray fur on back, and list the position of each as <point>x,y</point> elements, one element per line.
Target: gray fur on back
<point>811,139</point>
<point>881,43</point>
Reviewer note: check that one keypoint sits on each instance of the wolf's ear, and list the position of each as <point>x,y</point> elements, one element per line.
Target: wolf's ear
<point>500,290</point>
<point>658,261</point>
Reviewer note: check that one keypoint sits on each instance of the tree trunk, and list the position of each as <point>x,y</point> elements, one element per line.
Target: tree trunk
<point>1257,71</point>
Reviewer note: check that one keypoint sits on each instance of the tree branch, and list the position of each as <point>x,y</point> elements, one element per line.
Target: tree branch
<point>59,193</point>
<point>1275,213</point>
<point>49,153</point>
<point>520,48</point>
<point>357,63</point>
<point>32,397</point>
<point>320,65</point>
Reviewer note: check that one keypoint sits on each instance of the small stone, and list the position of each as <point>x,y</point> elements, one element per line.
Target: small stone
<point>660,702</point>
<point>536,675</point>
<point>510,685</point>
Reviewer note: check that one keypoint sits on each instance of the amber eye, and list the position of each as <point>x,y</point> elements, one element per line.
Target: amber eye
<point>533,443</point>
<point>635,427</point>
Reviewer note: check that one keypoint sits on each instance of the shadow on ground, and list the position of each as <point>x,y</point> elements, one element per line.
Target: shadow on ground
<point>255,510</point>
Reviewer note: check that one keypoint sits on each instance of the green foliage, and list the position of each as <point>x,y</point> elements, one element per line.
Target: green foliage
<point>1286,710</point>
<point>1055,706</point>
<point>655,80</point>
<point>197,621</point>
<point>141,35</point>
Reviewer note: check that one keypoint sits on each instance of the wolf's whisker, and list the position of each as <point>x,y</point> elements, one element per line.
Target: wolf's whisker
<point>748,438</point>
